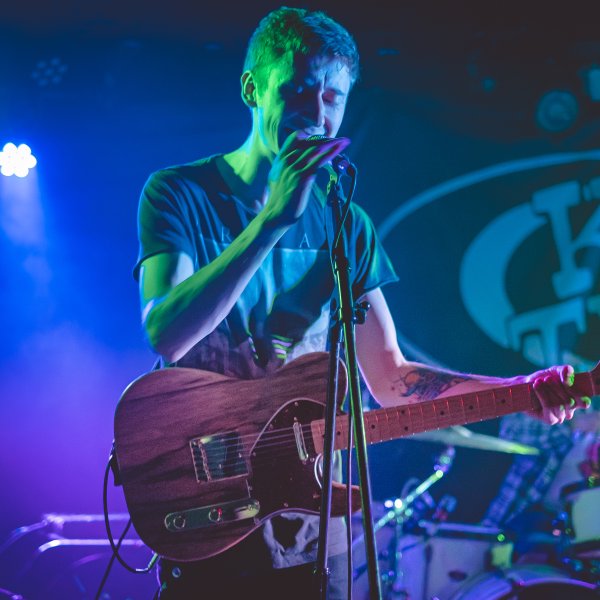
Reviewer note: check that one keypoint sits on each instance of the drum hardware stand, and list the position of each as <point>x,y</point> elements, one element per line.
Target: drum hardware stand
<point>55,531</point>
<point>54,524</point>
<point>400,511</point>
<point>443,464</point>
<point>585,569</point>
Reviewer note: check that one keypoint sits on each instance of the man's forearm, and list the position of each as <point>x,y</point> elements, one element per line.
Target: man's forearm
<point>414,382</point>
<point>193,308</point>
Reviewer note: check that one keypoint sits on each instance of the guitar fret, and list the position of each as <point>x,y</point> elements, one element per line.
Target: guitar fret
<point>487,406</point>
<point>385,427</point>
<point>462,403</point>
<point>371,429</point>
<point>407,422</point>
<point>343,433</point>
<point>317,433</point>
<point>456,410</point>
<point>388,431</point>
<point>442,412</point>
<point>404,420</point>
<point>471,403</point>
<point>393,424</point>
<point>416,415</point>
<point>428,412</point>
<point>368,417</point>
<point>524,398</point>
<point>503,399</point>
<point>374,434</point>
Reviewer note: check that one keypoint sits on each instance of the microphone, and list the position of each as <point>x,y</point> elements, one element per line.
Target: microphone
<point>340,164</point>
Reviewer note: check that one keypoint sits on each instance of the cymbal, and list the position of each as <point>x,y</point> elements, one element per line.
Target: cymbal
<point>461,436</point>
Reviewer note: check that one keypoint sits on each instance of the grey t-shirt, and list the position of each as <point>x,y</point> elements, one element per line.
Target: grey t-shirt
<point>284,310</point>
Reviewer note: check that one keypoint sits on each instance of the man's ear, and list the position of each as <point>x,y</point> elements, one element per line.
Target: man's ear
<point>248,89</point>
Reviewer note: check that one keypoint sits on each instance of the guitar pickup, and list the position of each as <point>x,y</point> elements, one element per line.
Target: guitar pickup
<point>214,514</point>
<point>218,456</point>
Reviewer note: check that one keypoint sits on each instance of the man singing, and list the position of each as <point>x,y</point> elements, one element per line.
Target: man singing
<point>235,277</point>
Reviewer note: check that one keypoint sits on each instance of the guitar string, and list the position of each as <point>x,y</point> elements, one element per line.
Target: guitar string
<point>415,415</point>
<point>277,438</point>
<point>406,420</point>
<point>397,426</point>
<point>281,438</point>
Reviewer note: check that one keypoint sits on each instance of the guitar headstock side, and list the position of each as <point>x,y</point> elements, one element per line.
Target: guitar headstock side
<point>588,384</point>
<point>595,373</point>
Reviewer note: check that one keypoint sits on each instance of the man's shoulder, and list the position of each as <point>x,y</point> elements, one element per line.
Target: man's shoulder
<point>199,171</point>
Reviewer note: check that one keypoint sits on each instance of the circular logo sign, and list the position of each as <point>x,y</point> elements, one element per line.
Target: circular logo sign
<point>501,266</point>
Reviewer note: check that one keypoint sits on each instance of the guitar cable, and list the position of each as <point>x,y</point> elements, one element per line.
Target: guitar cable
<point>112,465</point>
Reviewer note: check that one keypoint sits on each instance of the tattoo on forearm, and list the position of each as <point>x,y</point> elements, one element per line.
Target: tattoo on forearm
<point>425,384</point>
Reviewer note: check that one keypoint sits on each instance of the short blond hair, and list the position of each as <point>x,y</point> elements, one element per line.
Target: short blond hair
<point>302,32</point>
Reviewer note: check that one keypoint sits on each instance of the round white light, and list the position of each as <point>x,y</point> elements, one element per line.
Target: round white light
<point>16,160</point>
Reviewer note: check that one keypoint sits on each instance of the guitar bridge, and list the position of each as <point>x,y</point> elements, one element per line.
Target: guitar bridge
<point>218,456</point>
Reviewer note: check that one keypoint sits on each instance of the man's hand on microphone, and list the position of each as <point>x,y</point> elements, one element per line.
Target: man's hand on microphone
<point>293,173</point>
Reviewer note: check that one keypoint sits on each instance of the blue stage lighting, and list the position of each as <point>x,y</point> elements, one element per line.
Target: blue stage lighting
<point>16,160</point>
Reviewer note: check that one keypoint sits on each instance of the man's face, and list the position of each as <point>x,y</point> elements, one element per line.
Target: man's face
<point>302,94</point>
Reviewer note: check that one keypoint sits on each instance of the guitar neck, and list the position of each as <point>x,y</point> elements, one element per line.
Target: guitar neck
<point>401,421</point>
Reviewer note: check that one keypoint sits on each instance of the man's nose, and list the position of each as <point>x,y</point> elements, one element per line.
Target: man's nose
<point>314,112</point>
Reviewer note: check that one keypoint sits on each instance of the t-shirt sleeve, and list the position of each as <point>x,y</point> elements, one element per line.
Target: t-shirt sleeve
<point>373,267</point>
<point>161,222</point>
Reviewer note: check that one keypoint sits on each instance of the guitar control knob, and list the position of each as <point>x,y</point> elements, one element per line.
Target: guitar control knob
<point>215,515</point>
<point>179,521</point>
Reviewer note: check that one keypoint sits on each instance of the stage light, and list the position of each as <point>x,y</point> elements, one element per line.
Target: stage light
<point>16,160</point>
<point>49,72</point>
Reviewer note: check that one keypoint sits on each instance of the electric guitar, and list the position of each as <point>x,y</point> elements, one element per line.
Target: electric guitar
<point>205,459</point>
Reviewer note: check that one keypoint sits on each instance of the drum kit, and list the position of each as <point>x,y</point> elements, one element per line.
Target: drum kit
<point>423,556</point>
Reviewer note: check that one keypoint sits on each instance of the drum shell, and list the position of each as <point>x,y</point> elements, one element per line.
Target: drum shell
<point>440,560</point>
<point>526,582</point>
<point>582,502</point>
<point>434,561</point>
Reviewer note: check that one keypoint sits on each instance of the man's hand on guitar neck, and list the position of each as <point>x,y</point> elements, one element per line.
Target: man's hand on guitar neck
<point>393,380</point>
<point>558,397</point>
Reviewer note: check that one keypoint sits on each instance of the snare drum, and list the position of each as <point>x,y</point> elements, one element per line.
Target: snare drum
<point>434,562</point>
<point>582,508</point>
<point>527,582</point>
<point>438,563</point>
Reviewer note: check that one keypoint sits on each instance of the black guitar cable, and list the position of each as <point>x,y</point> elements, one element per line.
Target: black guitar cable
<point>112,464</point>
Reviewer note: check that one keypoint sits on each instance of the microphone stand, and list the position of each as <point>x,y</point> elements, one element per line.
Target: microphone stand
<point>335,340</point>
<point>347,316</point>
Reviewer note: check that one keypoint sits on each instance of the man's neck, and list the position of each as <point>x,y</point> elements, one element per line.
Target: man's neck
<point>246,171</point>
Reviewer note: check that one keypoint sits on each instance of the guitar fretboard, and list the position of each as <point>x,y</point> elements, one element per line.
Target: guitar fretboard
<point>400,421</point>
